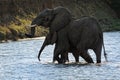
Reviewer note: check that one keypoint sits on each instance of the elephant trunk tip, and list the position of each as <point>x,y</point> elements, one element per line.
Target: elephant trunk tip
<point>39,59</point>
<point>29,35</point>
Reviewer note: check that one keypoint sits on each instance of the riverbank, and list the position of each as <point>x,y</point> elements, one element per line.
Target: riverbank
<point>16,15</point>
<point>24,39</point>
<point>17,30</point>
<point>43,37</point>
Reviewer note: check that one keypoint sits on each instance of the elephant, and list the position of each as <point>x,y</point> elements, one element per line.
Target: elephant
<point>48,41</point>
<point>72,35</point>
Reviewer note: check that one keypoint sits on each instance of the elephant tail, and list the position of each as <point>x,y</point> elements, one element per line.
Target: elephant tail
<point>105,54</point>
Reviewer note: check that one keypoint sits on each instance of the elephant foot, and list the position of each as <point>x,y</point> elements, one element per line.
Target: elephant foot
<point>77,63</point>
<point>66,62</point>
<point>58,61</point>
<point>55,62</point>
<point>61,62</point>
<point>98,61</point>
<point>38,59</point>
<point>98,64</point>
<point>90,60</point>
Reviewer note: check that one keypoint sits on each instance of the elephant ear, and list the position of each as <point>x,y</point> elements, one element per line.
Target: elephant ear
<point>61,19</point>
<point>54,38</point>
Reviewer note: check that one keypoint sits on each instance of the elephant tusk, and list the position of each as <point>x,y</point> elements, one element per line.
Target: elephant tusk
<point>33,25</point>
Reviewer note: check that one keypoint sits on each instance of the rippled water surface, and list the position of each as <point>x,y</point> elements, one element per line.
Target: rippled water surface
<point>18,61</point>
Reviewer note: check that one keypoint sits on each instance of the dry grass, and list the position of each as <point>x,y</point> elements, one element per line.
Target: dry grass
<point>15,31</point>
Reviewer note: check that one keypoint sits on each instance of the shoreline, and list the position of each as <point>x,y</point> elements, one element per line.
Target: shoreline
<point>38,38</point>
<point>24,39</point>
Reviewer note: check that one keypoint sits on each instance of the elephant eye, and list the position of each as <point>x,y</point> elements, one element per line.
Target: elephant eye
<point>46,19</point>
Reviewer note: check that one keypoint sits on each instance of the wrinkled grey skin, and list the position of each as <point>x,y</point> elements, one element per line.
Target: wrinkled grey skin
<point>76,36</point>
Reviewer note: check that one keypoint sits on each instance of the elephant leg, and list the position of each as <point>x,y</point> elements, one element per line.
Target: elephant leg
<point>67,59</point>
<point>56,58</point>
<point>97,51</point>
<point>56,55</point>
<point>84,52</point>
<point>64,57</point>
<point>76,55</point>
<point>86,56</point>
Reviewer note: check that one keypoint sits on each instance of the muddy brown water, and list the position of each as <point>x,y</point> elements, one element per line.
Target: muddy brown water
<point>18,61</point>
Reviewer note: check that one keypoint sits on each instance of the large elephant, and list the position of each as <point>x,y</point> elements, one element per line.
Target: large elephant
<point>75,36</point>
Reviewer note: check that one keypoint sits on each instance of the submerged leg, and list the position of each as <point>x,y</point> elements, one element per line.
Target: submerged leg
<point>97,51</point>
<point>64,57</point>
<point>86,56</point>
<point>56,55</point>
<point>76,55</point>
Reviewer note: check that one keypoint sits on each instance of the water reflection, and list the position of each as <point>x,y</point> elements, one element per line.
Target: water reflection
<point>18,61</point>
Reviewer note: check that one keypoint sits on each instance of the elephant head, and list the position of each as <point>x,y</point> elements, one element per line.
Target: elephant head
<point>55,19</point>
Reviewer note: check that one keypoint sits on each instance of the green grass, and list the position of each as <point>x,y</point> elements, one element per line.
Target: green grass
<point>116,25</point>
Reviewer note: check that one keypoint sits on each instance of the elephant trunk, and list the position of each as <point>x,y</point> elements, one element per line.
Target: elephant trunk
<point>105,54</point>
<point>32,31</point>
<point>45,43</point>
<point>40,52</point>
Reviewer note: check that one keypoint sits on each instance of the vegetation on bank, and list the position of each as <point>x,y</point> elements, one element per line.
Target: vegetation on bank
<point>15,31</point>
<point>116,25</point>
<point>113,26</point>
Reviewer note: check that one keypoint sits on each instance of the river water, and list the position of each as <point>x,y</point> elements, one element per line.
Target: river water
<point>18,61</point>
